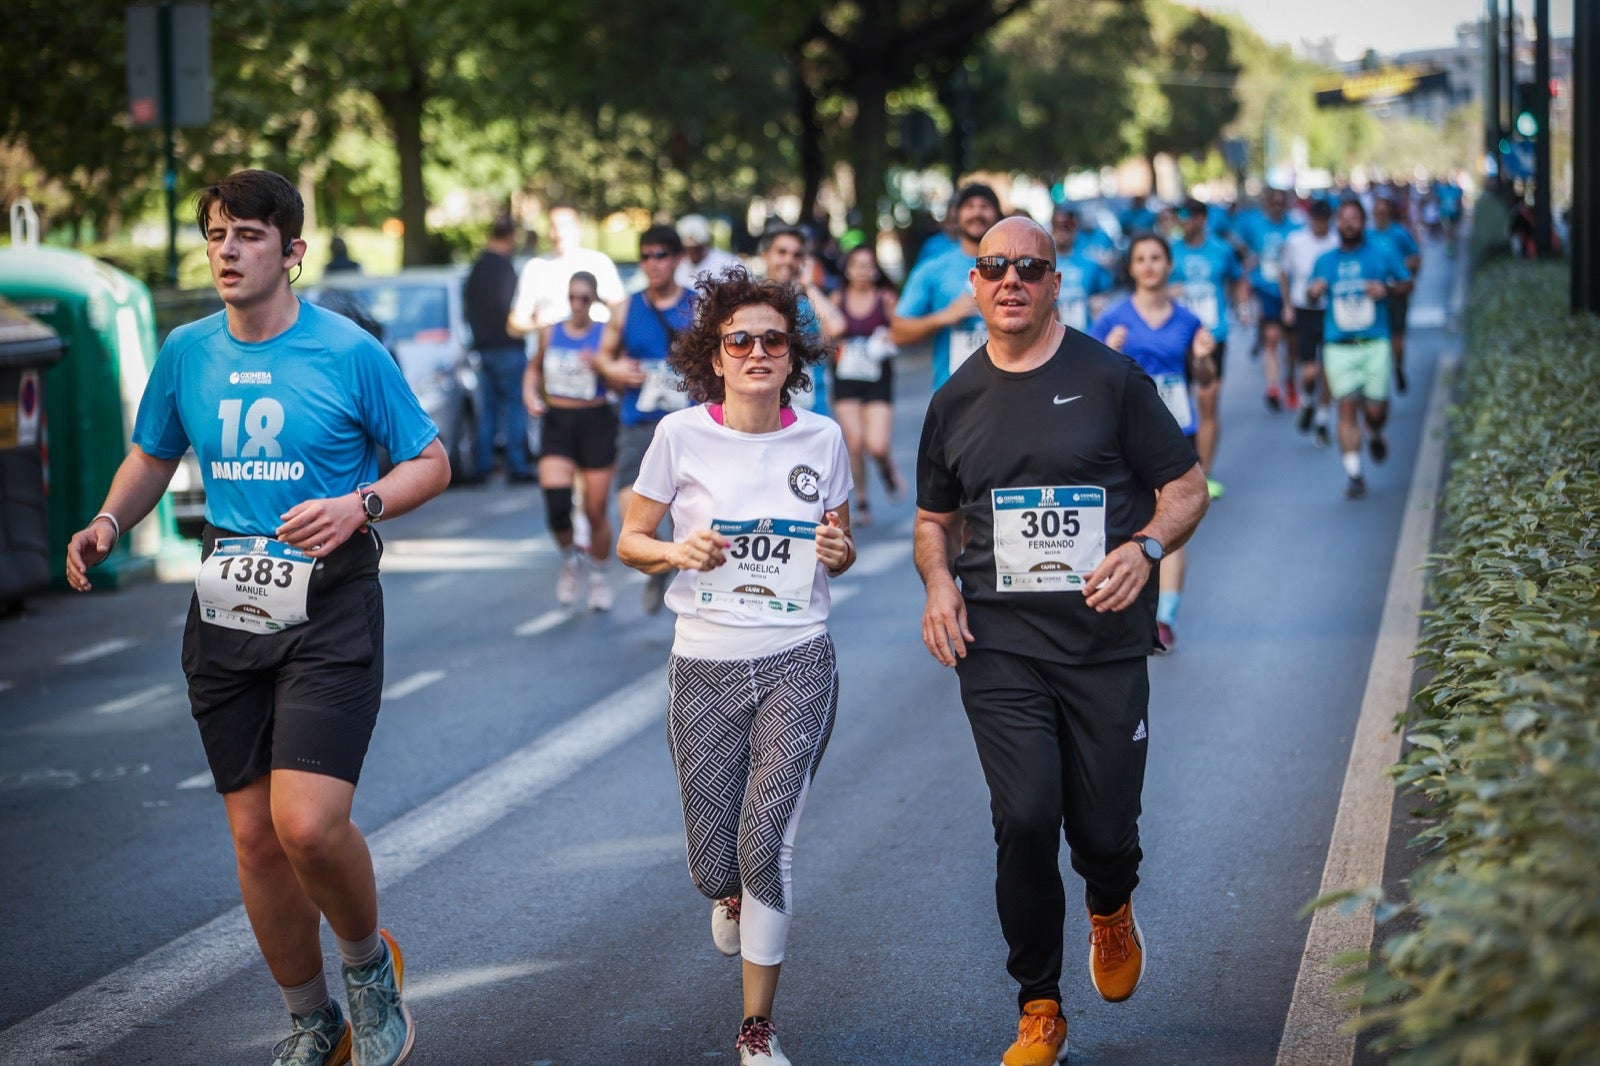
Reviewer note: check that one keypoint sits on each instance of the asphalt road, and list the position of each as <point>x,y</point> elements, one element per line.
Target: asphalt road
<point>522,806</point>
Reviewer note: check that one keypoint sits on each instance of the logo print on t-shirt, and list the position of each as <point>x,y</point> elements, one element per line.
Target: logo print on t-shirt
<point>804,483</point>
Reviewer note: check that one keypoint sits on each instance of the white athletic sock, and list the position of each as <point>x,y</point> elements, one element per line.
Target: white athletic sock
<point>303,999</point>
<point>1352,463</point>
<point>359,953</point>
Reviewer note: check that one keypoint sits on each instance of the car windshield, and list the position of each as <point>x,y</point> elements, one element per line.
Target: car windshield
<point>408,312</point>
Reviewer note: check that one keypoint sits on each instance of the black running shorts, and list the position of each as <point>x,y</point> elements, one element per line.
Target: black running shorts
<point>1399,306</point>
<point>303,699</point>
<point>586,435</point>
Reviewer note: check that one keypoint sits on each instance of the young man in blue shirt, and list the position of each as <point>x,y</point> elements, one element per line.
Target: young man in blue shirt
<point>285,404</point>
<point>937,302</point>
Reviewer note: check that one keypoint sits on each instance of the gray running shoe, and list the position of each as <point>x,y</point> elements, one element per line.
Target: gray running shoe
<point>383,1028</point>
<point>725,925</point>
<point>1356,488</point>
<point>321,1038</point>
<point>655,591</point>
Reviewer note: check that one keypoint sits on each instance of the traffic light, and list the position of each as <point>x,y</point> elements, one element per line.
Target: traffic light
<point>1524,98</point>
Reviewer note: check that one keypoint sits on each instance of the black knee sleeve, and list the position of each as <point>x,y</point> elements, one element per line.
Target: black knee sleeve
<point>558,508</point>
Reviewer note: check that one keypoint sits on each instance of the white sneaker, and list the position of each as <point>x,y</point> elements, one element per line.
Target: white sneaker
<point>725,925</point>
<point>600,595</point>
<point>568,582</point>
<point>758,1044</point>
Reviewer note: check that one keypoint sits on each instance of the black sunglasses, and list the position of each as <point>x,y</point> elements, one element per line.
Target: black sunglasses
<point>660,253</point>
<point>741,342</point>
<point>1029,267</point>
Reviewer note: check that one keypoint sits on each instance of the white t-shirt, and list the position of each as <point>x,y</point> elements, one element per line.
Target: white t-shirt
<point>542,285</point>
<point>1301,249</point>
<point>716,263</point>
<point>705,471</point>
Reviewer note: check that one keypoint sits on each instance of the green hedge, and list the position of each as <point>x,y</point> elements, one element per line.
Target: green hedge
<point>1495,956</point>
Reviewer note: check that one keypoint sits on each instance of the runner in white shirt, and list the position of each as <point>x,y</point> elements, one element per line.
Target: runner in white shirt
<point>760,500</point>
<point>541,298</point>
<point>1303,315</point>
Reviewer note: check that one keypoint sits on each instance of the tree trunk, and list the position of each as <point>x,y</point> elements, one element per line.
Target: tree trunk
<point>403,108</point>
<point>811,164</point>
<point>870,88</point>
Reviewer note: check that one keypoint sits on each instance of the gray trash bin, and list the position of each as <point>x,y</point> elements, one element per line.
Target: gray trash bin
<point>27,347</point>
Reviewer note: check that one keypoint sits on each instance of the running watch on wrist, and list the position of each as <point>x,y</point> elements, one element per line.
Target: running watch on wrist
<point>371,503</point>
<point>1150,546</point>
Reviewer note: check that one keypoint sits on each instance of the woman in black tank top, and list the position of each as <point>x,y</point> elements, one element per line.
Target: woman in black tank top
<point>864,375</point>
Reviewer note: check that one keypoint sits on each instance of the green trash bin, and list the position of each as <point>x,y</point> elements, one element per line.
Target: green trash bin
<point>106,322</point>
<point>27,347</point>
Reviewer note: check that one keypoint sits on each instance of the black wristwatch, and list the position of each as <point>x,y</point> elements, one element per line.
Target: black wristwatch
<point>371,503</point>
<point>1150,546</point>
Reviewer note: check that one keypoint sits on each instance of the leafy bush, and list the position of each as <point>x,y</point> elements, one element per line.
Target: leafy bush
<point>1500,959</point>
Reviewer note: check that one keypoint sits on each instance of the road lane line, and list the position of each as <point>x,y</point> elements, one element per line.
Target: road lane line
<point>95,651</point>
<point>416,682</point>
<point>543,624</point>
<point>135,699</point>
<point>880,558</point>
<point>200,780</point>
<point>94,1018</point>
<point>1313,1029</point>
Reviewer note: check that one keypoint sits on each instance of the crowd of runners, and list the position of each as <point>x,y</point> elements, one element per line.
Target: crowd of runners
<point>739,416</point>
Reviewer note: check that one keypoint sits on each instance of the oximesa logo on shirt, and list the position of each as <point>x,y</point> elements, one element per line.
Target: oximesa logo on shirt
<point>250,377</point>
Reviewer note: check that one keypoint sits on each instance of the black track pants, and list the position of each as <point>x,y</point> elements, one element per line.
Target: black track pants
<point>1062,748</point>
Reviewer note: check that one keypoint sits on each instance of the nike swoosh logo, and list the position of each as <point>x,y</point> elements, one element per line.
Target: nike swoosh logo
<point>1060,400</point>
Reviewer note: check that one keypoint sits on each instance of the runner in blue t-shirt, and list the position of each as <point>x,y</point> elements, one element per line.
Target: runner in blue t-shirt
<point>1082,279</point>
<point>1385,226</point>
<point>285,404</point>
<point>1357,278</point>
<point>1263,232</point>
<point>937,301</point>
<point>1170,344</point>
<point>1136,218</point>
<point>1207,279</point>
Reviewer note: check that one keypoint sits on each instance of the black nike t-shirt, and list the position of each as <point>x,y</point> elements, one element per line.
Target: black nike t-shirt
<point>1088,417</point>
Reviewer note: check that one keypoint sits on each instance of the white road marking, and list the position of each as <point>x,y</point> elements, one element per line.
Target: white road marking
<point>510,505</point>
<point>416,682</point>
<point>95,651</point>
<point>4,685</point>
<point>543,624</point>
<point>463,553</point>
<point>200,780</point>
<point>135,699</point>
<point>1314,1032</point>
<point>140,993</point>
<point>880,558</point>
<point>436,583</point>
<point>1428,317</point>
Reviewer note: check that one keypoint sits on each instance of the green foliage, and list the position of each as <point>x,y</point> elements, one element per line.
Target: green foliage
<point>1503,962</point>
<point>1046,62</point>
<point>1198,74</point>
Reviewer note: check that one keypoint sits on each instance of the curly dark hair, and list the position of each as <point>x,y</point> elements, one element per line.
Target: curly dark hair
<point>719,296</point>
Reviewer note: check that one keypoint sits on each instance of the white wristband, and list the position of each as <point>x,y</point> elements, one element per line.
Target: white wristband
<point>116,527</point>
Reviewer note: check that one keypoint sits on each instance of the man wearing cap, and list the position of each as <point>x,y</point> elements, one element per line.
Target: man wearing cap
<point>1083,280</point>
<point>938,301</point>
<point>1205,274</point>
<point>700,256</point>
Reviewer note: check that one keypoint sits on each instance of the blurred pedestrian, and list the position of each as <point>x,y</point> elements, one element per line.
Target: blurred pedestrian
<point>1206,278</point>
<point>1082,279</point>
<point>563,385</point>
<point>486,303</point>
<point>785,256</point>
<point>339,261</point>
<point>1304,315</point>
<point>936,302</point>
<point>863,400</point>
<point>700,256</point>
<point>541,298</point>
<point>759,495</point>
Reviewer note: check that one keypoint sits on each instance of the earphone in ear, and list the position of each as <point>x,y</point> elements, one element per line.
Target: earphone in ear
<point>288,247</point>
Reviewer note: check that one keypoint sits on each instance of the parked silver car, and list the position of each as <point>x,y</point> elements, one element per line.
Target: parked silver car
<point>419,317</point>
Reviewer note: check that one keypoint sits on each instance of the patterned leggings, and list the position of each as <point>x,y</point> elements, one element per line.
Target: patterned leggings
<point>746,736</point>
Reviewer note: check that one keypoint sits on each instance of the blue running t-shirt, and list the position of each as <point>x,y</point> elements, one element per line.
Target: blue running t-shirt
<point>274,424</point>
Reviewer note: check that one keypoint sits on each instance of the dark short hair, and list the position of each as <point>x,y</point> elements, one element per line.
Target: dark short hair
<point>1193,208</point>
<point>501,228</point>
<point>1320,209</point>
<point>1147,235</point>
<point>585,277</point>
<point>662,236</point>
<point>1357,204</point>
<point>719,296</point>
<point>980,191</point>
<point>772,233</point>
<point>258,195</point>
